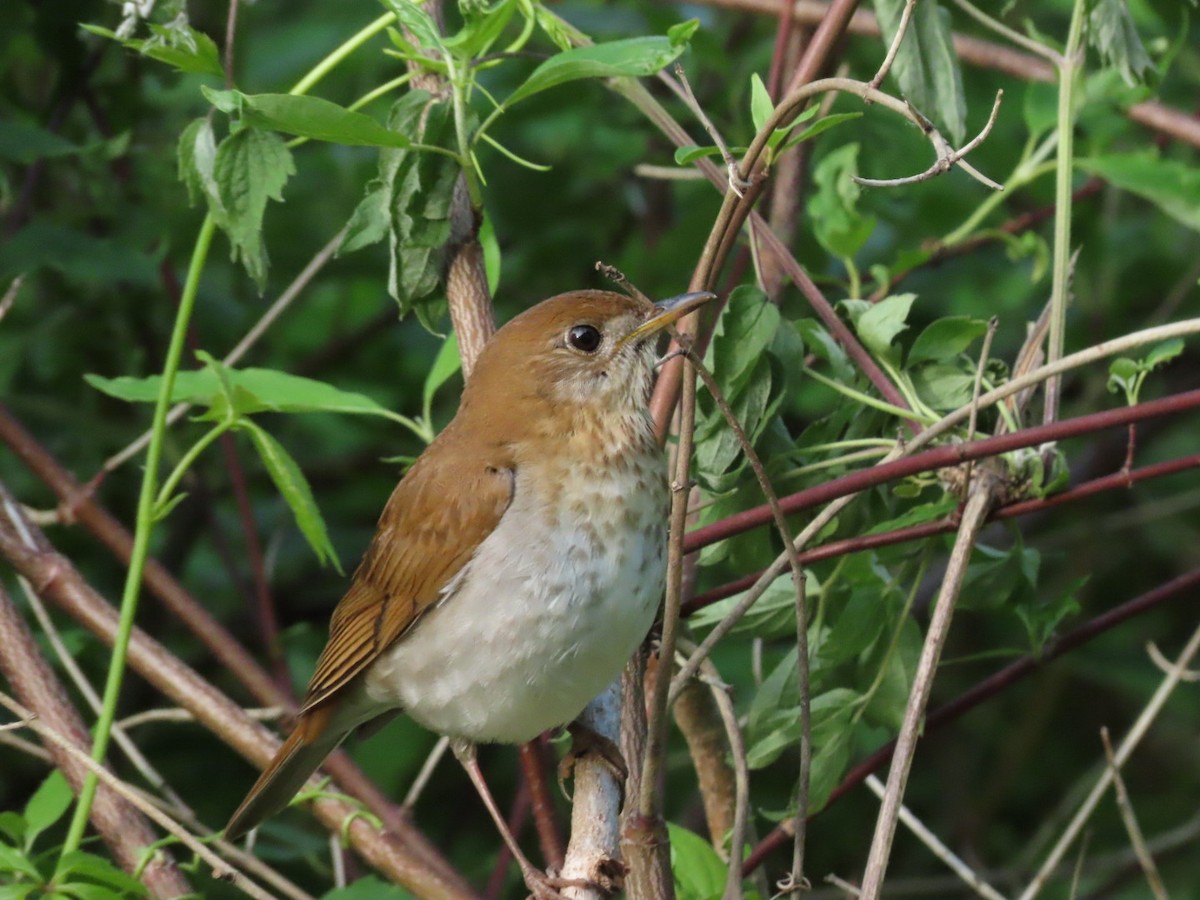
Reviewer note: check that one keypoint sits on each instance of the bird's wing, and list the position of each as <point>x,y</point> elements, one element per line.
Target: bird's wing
<point>436,518</point>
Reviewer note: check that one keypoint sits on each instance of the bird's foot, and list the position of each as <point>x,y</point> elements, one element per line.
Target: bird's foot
<point>584,741</point>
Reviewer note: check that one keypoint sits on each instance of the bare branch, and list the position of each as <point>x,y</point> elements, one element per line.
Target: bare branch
<point>1136,838</point>
<point>982,493</point>
<point>894,48</point>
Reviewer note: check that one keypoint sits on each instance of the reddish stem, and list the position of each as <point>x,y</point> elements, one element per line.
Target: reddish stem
<point>1120,479</point>
<point>939,458</point>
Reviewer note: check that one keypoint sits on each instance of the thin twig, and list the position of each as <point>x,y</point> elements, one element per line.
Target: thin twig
<point>221,868</point>
<point>790,549</point>
<point>737,184</point>
<point>981,496</point>
<point>741,769</point>
<point>969,876</point>
<point>947,159</point>
<point>1129,817</point>
<point>10,296</point>
<point>1050,55</point>
<point>894,48</point>
<point>1166,666</point>
<point>426,773</point>
<point>1124,751</point>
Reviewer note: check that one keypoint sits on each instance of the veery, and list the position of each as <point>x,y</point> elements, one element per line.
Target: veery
<point>519,562</point>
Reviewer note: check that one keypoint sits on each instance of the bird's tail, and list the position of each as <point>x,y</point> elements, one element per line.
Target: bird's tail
<point>315,736</point>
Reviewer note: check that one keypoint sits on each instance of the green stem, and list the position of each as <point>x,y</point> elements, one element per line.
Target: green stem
<point>459,81</point>
<point>1064,160</point>
<point>176,476</point>
<point>141,538</point>
<point>868,400</point>
<point>331,62</point>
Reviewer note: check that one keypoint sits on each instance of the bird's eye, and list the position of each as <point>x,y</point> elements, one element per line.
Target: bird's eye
<point>585,338</point>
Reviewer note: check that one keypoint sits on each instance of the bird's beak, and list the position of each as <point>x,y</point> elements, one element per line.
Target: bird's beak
<point>668,311</point>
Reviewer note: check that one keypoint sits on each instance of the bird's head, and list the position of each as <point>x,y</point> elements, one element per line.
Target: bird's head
<point>591,351</point>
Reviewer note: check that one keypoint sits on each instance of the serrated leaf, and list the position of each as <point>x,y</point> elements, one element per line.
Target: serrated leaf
<point>46,806</point>
<point>251,166</point>
<point>178,45</point>
<point>1164,352</point>
<point>1111,31</point>
<point>320,120</point>
<point>1171,185</point>
<point>878,326</point>
<point>370,220</point>
<point>833,207</point>
<point>926,65</point>
<point>294,489</point>
<point>946,338</point>
<point>761,106</point>
<point>632,57</point>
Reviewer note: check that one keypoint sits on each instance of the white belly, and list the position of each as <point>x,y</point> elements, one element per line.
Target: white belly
<point>541,620</point>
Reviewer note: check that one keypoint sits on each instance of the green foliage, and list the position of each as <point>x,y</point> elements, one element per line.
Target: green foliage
<point>26,870</point>
<point>926,65</point>
<point>95,215</point>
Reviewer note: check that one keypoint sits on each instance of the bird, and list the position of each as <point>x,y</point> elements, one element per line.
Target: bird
<point>519,562</point>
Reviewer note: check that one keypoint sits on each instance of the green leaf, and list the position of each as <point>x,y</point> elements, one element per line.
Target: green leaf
<point>926,65</point>
<point>417,21</point>
<point>761,106</point>
<point>632,57</point>
<point>1111,31</point>
<point>698,870</point>
<point>14,861</point>
<point>320,120</point>
<point>12,825</point>
<point>178,45</point>
<point>772,616</point>
<point>255,390</point>
<point>46,806</point>
<point>887,704</point>
<point>445,364</point>
<point>946,338</point>
<point>197,155</point>
<point>833,207</point>
<point>368,888</point>
<point>1171,185</point>
<point>81,864</point>
<point>24,142</point>
<point>745,330</point>
<point>295,491</point>
<point>879,325</point>
<point>943,386</point>
<point>1161,353</point>
<point>680,34</point>
<point>818,127</point>
<point>251,166</point>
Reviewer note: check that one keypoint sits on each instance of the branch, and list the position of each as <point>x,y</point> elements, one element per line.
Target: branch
<point>982,493</point>
<point>402,853</point>
<point>833,549</point>
<point>1124,751</point>
<point>44,699</point>
<point>1178,588</point>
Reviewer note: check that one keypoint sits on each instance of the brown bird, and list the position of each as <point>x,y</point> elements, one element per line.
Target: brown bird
<point>520,561</point>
